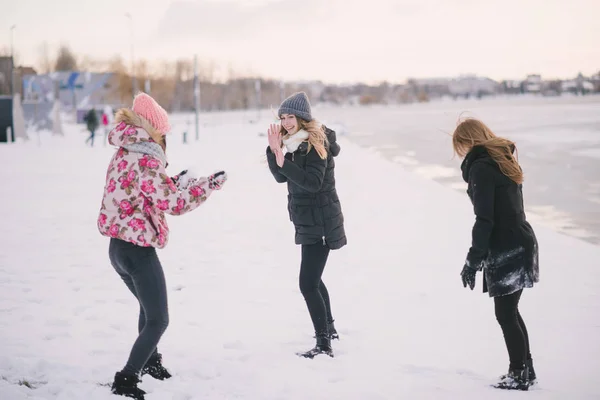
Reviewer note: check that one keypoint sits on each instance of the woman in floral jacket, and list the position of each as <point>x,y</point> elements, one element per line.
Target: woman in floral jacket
<point>137,194</point>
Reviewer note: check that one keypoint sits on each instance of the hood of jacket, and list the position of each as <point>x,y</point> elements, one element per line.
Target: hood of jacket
<point>131,128</point>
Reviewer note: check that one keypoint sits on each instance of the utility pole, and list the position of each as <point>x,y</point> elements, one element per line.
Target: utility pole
<point>12,61</point>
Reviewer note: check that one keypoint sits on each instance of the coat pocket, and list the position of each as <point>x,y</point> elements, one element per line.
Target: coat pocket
<point>302,215</point>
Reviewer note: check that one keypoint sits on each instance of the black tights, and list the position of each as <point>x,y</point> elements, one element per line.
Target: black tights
<point>513,328</point>
<point>314,258</point>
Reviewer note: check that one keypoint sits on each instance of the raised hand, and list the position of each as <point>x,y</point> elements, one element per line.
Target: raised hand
<point>279,157</point>
<point>274,134</point>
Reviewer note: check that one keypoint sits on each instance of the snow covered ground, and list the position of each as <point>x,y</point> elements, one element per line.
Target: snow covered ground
<point>408,328</point>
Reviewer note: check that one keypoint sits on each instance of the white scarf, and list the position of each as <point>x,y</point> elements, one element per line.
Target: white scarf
<point>292,142</point>
<point>151,148</point>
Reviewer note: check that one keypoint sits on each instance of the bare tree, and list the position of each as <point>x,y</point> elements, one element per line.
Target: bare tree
<point>5,51</point>
<point>206,71</point>
<point>184,70</point>
<point>44,62</point>
<point>116,64</point>
<point>163,86</point>
<point>91,64</point>
<point>65,61</point>
<point>141,70</point>
<point>223,86</point>
<point>121,80</point>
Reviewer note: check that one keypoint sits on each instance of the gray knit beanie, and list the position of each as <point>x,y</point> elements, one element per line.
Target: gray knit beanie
<point>298,105</point>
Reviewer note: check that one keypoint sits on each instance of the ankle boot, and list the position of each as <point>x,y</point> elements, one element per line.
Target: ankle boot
<point>126,385</point>
<point>332,332</point>
<point>516,379</point>
<point>323,346</point>
<point>532,376</point>
<point>155,369</point>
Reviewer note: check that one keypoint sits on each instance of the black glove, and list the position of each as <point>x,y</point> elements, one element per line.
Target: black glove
<point>468,276</point>
<point>217,180</point>
<point>330,133</point>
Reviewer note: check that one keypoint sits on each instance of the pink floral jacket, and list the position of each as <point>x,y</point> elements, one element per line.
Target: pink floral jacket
<point>138,191</point>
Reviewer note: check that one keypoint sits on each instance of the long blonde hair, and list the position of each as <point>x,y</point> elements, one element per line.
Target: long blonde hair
<point>316,135</point>
<point>472,132</point>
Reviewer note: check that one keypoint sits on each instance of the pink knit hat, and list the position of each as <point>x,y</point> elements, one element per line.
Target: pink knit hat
<point>146,107</point>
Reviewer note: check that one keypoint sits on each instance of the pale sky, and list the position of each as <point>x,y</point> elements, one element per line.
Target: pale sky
<point>335,41</point>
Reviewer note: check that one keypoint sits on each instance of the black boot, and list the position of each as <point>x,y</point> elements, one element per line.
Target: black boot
<point>332,332</point>
<point>323,346</point>
<point>516,379</point>
<point>155,369</point>
<point>532,376</point>
<point>126,385</point>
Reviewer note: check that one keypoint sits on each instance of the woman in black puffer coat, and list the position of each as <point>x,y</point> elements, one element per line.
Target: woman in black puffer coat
<point>504,244</point>
<point>313,204</point>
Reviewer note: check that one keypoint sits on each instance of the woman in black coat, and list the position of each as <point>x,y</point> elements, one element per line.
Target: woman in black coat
<point>504,244</point>
<point>313,204</point>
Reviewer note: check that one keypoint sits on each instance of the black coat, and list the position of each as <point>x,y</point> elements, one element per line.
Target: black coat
<point>503,242</point>
<point>313,203</point>
<point>91,120</point>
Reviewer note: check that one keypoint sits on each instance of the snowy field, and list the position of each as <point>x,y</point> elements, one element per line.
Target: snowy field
<point>408,328</point>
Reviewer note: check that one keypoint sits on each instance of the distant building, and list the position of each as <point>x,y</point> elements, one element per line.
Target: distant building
<point>20,72</point>
<point>532,84</point>
<point>512,87</point>
<point>579,85</point>
<point>73,88</point>
<point>6,67</point>
<point>428,88</point>
<point>473,86</point>
<point>462,86</point>
<point>76,91</point>
<point>595,79</point>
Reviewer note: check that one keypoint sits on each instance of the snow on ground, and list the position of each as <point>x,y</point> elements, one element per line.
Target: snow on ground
<point>408,328</point>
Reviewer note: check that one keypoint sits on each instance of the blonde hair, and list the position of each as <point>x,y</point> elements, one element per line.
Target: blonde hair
<point>316,135</point>
<point>163,143</point>
<point>472,132</point>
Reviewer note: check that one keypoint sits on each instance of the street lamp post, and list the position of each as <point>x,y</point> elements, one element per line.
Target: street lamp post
<point>12,61</point>
<point>133,80</point>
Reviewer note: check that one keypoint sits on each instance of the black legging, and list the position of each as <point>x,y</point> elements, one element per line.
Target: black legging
<point>513,328</point>
<point>140,269</point>
<point>314,258</point>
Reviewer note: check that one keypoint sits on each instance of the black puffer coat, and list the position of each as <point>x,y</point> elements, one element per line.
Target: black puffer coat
<point>503,243</point>
<point>313,203</point>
